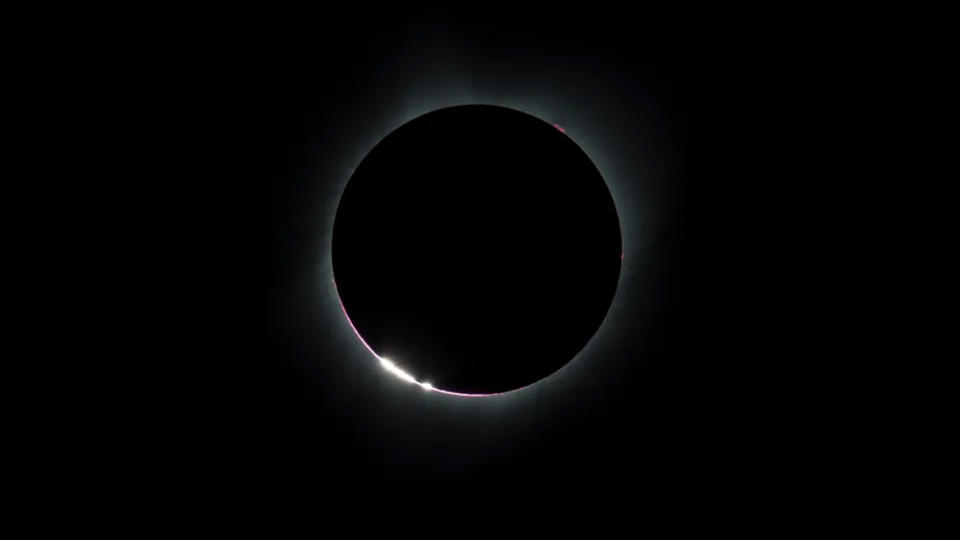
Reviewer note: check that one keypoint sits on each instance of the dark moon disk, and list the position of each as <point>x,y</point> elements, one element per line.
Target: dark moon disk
<point>477,248</point>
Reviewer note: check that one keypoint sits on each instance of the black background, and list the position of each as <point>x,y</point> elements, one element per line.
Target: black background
<point>689,397</point>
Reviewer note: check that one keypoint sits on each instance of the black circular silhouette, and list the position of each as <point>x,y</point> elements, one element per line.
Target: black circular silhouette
<point>477,248</point>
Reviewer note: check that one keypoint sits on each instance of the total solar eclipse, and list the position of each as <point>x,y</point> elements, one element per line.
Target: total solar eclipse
<point>476,250</point>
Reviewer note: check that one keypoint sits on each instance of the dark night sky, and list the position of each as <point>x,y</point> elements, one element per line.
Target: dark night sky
<point>679,398</point>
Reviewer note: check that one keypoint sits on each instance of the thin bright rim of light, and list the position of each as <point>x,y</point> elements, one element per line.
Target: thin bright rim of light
<point>392,368</point>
